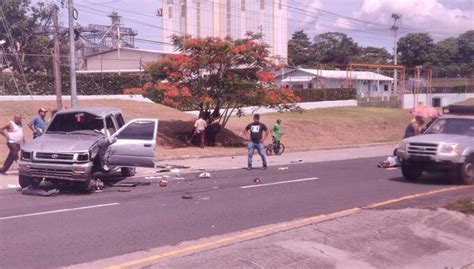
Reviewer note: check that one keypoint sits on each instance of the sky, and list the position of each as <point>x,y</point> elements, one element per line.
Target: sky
<point>366,21</point>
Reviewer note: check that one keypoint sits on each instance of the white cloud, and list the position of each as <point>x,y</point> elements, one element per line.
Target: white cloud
<point>302,22</point>
<point>430,16</point>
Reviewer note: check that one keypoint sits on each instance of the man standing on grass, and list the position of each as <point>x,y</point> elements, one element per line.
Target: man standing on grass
<point>38,123</point>
<point>258,133</point>
<point>199,128</point>
<point>13,132</point>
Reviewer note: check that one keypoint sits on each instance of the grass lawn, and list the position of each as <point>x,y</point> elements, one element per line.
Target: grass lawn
<point>465,205</point>
<point>468,102</point>
<point>312,129</point>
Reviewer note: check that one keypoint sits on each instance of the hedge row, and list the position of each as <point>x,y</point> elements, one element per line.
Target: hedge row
<point>87,84</point>
<point>315,95</point>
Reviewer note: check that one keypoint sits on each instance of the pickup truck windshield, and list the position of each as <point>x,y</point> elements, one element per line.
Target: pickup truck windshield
<point>76,121</point>
<point>452,126</point>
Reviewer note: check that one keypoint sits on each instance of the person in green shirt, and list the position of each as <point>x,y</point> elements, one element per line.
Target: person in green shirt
<point>277,134</point>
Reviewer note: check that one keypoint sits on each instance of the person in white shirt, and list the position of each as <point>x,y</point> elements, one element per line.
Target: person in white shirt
<point>199,128</point>
<point>13,132</point>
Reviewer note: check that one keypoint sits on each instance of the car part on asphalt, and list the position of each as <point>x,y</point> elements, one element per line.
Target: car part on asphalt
<point>38,192</point>
<point>205,175</point>
<point>187,196</point>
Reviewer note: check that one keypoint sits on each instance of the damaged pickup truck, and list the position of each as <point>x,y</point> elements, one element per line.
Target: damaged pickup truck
<point>83,144</point>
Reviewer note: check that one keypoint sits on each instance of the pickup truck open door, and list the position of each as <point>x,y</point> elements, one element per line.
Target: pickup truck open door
<point>134,144</point>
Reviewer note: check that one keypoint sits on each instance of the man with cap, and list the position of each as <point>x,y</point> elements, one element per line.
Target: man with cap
<point>38,123</point>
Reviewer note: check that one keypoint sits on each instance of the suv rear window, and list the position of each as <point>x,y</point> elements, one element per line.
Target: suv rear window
<point>75,122</point>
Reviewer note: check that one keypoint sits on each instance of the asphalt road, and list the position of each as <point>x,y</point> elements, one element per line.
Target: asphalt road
<point>44,232</point>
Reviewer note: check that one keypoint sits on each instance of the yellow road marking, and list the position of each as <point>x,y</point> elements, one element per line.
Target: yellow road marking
<point>255,233</point>
<point>408,197</point>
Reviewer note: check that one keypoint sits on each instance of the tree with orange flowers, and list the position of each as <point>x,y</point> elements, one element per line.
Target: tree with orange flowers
<point>218,76</point>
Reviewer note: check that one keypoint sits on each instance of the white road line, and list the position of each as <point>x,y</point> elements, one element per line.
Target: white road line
<point>57,211</point>
<point>280,182</point>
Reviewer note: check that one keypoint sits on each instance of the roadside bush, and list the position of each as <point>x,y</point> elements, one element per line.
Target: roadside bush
<point>315,95</point>
<point>87,84</point>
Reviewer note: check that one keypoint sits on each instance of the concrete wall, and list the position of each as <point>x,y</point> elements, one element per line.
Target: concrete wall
<point>129,59</point>
<point>309,105</point>
<point>409,100</point>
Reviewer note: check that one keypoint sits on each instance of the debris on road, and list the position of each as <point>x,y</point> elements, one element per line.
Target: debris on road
<point>126,184</point>
<point>153,177</point>
<point>187,196</point>
<point>124,190</point>
<point>298,161</point>
<point>283,168</point>
<point>257,180</point>
<point>13,186</point>
<point>38,192</point>
<point>163,183</point>
<point>96,185</point>
<point>205,175</point>
<point>175,172</point>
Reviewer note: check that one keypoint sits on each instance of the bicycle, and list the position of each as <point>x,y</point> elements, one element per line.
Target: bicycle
<point>273,148</point>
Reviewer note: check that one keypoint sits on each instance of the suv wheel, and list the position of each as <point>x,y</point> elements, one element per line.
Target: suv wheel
<point>411,172</point>
<point>26,181</point>
<point>467,171</point>
<point>128,171</point>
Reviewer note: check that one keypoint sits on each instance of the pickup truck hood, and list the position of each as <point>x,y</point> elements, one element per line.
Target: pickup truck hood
<point>438,138</point>
<point>61,143</point>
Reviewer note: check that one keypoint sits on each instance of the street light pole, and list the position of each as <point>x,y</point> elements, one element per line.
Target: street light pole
<point>72,54</point>
<point>396,25</point>
<point>57,59</point>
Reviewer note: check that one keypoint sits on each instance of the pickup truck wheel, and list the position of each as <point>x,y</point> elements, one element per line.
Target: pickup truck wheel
<point>128,171</point>
<point>411,172</point>
<point>26,181</point>
<point>467,171</point>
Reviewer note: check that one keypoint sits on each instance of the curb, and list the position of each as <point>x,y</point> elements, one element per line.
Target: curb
<point>196,157</point>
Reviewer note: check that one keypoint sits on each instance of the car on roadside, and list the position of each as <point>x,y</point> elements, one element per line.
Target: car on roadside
<point>81,145</point>
<point>446,146</point>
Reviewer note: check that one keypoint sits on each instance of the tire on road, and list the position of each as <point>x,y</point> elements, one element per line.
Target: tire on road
<point>128,171</point>
<point>411,172</point>
<point>25,181</point>
<point>467,171</point>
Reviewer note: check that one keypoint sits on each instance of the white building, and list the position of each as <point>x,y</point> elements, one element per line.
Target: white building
<point>234,18</point>
<point>368,84</point>
<point>124,60</point>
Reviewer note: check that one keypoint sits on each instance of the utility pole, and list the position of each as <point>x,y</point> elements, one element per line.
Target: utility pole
<point>72,54</point>
<point>56,59</point>
<point>396,25</point>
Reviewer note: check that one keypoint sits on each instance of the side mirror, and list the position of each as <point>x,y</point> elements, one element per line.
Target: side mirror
<point>112,140</point>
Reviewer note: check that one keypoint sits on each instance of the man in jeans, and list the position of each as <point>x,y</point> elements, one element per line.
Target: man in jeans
<point>13,132</point>
<point>258,133</point>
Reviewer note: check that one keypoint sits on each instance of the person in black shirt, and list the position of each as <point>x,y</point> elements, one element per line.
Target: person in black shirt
<point>256,132</point>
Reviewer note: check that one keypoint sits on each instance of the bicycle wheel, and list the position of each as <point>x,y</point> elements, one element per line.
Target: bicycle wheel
<point>269,149</point>
<point>282,149</point>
